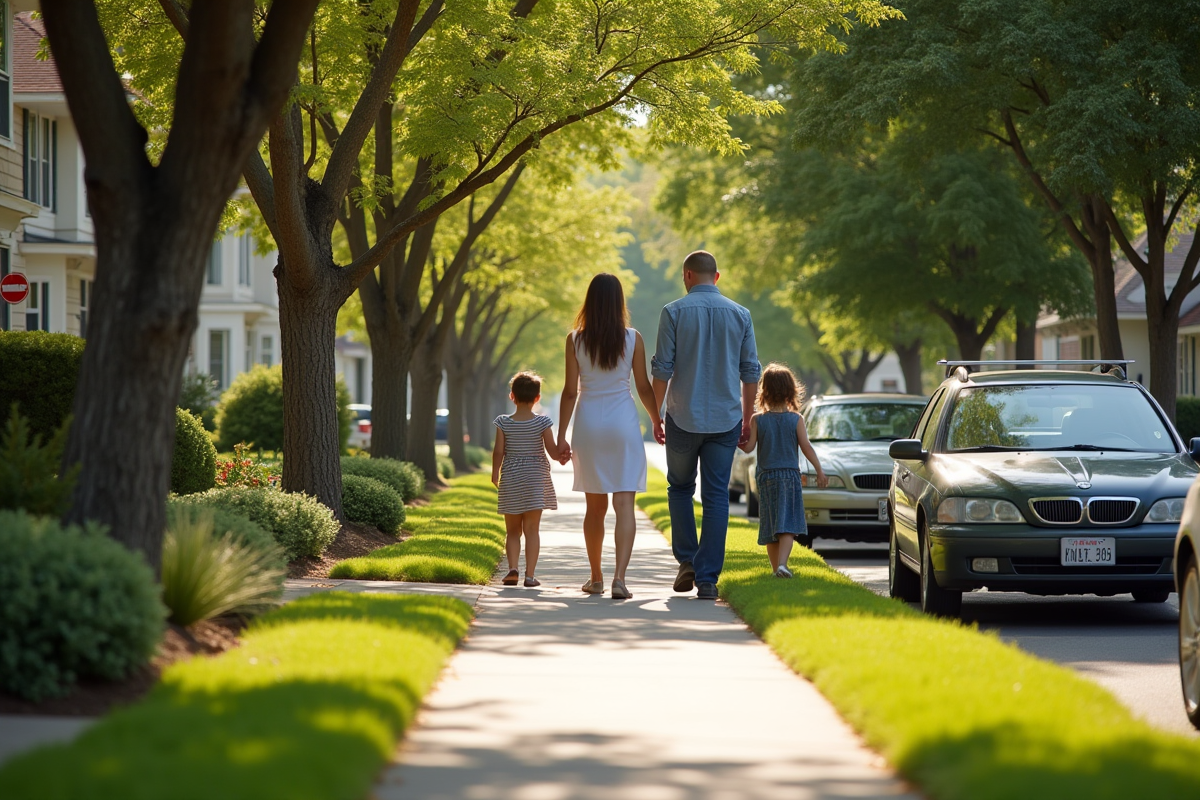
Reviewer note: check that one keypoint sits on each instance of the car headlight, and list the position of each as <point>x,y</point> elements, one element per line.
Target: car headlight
<point>1168,510</point>
<point>977,509</point>
<point>809,481</point>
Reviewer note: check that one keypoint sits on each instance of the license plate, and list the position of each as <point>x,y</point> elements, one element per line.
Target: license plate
<point>1088,551</point>
<point>883,511</point>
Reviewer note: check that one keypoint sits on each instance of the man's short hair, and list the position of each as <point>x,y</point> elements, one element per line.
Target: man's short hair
<point>701,262</point>
<point>526,386</point>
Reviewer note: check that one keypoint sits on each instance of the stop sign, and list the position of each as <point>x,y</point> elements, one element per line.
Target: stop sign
<point>14,287</point>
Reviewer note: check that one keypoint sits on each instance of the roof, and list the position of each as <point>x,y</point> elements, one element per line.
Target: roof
<point>1131,291</point>
<point>31,76</point>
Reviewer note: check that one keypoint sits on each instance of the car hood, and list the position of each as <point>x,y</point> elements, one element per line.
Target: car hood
<point>852,458</point>
<point>1148,476</point>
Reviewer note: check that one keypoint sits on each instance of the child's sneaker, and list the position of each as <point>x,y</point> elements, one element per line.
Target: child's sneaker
<point>782,571</point>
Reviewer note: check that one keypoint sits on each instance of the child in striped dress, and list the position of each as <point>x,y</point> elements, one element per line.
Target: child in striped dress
<point>521,471</point>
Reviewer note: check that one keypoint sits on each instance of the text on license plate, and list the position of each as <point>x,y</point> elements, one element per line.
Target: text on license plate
<point>883,511</point>
<point>1088,551</point>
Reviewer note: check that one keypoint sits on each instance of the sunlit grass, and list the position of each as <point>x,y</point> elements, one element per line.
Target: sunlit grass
<point>959,712</point>
<point>457,538</point>
<point>310,706</point>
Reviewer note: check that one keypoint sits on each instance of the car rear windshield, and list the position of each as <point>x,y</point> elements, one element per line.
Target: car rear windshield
<point>861,422</point>
<point>1056,417</point>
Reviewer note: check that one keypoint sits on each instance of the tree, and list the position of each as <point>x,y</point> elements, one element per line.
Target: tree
<point>155,219</point>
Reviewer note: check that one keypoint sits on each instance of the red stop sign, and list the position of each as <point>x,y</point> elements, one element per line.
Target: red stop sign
<point>14,287</point>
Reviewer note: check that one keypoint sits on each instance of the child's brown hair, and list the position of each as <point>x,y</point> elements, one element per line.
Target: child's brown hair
<point>779,387</point>
<point>525,386</point>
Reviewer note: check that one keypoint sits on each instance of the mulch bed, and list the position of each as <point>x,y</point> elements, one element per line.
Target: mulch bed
<point>354,539</point>
<point>93,697</point>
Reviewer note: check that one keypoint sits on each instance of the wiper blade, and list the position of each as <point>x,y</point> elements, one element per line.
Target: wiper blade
<point>830,439</point>
<point>987,448</point>
<point>1093,448</point>
<point>885,438</point>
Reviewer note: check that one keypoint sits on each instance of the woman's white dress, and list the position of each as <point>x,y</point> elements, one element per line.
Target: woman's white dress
<point>606,439</point>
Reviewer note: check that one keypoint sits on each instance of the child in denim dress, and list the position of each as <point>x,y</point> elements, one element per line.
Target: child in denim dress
<point>779,432</point>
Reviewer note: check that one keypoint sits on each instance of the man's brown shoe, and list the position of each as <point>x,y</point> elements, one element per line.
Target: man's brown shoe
<point>686,578</point>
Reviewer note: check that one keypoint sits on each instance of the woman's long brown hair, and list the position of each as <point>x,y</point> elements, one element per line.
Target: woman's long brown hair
<point>601,322</point>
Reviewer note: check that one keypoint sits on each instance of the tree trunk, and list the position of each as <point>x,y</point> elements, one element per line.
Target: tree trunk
<point>391,357</point>
<point>311,447</point>
<point>456,379</point>
<point>426,378</point>
<point>1025,343</point>
<point>1100,259</point>
<point>910,365</point>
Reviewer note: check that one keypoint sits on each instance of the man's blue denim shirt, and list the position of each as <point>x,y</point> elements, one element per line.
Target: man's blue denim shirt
<point>706,350</point>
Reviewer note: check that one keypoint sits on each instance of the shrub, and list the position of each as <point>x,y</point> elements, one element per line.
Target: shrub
<point>476,456</point>
<point>206,574</point>
<point>301,524</point>
<point>372,502</point>
<point>40,372</point>
<point>244,530</point>
<point>194,463</point>
<point>29,469</point>
<point>76,604</point>
<point>199,395</point>
<point>251,410</point>
<point>244,469</point>
<point>403,476</point>
<point>1187,417</point>
<point>445,466</point>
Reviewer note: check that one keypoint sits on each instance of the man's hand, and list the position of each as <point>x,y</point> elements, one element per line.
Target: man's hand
<point>745,437</point>
<point>660,435</point>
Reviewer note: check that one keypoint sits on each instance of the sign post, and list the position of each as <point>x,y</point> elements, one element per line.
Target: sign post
<point>14,288</point>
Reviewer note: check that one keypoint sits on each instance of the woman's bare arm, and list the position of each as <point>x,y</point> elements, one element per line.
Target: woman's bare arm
<point>641,381</point>
<point>570,394</point>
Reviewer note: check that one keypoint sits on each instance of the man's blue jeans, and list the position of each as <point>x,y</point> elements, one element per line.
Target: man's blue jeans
<point>714,454</point>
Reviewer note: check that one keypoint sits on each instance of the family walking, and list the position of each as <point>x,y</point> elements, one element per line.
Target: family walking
<point>707,376</point>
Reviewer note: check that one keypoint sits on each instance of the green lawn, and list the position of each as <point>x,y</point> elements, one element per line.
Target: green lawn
<point>958,712</point>
<point>310,706</point>
<point>457,538</point>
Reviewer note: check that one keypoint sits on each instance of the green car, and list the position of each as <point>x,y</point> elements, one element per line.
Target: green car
<point>1039,481</point>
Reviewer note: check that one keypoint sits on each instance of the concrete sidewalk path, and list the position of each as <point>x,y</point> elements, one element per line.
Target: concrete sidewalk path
<point>556,694</point>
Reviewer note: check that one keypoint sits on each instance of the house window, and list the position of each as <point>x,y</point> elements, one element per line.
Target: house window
<point>41,155</point>
<point>85,299</point>
<point>244,253</point>
<point>5,308</point>
<point>37,306</point>
<point>248,352</point>
<point>1087,347</point>
<point>266,351</point>
<point>218,357</point>
<point>215,278</point>
<point>5,71</point>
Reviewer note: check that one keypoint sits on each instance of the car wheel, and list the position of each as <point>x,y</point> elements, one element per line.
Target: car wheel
<point>1151,596</point>
<point>903,583</point>
<point>935,600</point>
<point>1189,641</point>
<point>751,504</point>
<point>805,540</point>
<point>734,495</point>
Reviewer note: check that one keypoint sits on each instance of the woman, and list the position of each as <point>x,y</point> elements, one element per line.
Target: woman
<point>606,443</point>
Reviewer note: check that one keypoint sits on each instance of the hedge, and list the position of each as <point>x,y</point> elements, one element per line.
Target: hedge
<point>372,502</point>
<point>251,411</point>
<point>302,525</point>
<point>194,462</point>
<point>403,476</point>
<point>40,372</point>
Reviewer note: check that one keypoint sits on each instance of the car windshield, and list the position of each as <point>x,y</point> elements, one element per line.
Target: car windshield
<point>1056,417</point>
<point>861,422</point>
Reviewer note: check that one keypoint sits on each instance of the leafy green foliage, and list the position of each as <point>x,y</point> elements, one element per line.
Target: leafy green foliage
<point>989,720</point>
<point>476,456</point>
<point>40,372</point>
<point>251,410</point>
<point>445,466</point>
<point>402,476</point>
<point>364,661</point>
<point>457,538</point>
<point>199,395</point>
<point>1187,417</point>
<point>194,509</point>
<point>372,502</point>
<point>194,462</point>
<point>245,469</point>
<point>29,469</point>
<point>206,574</point>
<point>301,524</point>
<point>76,604</point>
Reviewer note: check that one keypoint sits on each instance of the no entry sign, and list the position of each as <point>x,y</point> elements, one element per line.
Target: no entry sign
<point>14,287</point>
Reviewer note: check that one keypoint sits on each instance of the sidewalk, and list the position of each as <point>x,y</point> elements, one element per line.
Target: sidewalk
<point>556,694</point>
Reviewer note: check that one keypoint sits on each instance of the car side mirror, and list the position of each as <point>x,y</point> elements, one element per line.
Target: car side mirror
<point>907,450</point>
<point>1194,449</point>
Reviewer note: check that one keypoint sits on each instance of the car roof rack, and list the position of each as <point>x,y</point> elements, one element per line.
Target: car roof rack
<point>1107,366</point>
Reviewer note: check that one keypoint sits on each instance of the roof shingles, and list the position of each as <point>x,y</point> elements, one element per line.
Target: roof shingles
<point>31,76</point>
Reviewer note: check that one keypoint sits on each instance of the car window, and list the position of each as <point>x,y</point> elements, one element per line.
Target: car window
<point>929,428</point>
<point>1054,417</point>
<point>861,422</point>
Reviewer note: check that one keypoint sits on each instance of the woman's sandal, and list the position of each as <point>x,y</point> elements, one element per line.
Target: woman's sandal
<point>532,581</point>
<point>593,587</point>
<point>619,592</point>
<point>511,578</point>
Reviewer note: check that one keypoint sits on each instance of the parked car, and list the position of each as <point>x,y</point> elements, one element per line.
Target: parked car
<point>739,477</point>
<point>1039,481</point>
<point>1187,583</point>
<point>360,427</point>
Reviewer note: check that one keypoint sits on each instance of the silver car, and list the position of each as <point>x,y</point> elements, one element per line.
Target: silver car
<point>851,434</point>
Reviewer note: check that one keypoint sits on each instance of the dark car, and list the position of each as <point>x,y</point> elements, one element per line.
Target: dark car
<point>1187,583</point>
<point>1039,481</point>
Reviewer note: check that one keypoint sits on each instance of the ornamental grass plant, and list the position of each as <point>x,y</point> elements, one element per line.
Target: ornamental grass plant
<point>29,477</point>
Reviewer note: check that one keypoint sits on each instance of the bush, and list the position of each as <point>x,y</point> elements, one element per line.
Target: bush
<point>40,372</point>
<point>206,573</point>
<point>251,410</point>
<point>199,395</point>
<point>301,524</point>
<point>244,469</point>
<point>403,476</point>
<point>445,466</point>
<point>194,463</point>
<point>476,456</point>
<point>244,530</point>
<point>1187,417</point>
<point>29,470</point>
<point>76,604</point>
<point>372,502</point>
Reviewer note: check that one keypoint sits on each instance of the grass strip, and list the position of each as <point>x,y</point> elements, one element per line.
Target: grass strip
<point>957,711</point>
<point>310,706</point>
<point>457,538</point>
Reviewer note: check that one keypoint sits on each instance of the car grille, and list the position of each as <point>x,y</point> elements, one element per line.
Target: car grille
<point>1111,511</point>
<point>1059,511</point>
<point>874,481</point>
<point>853,515</point>
<point>1126,565</point>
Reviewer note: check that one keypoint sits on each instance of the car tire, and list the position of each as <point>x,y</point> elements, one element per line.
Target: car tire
<point>1151,596</point>
<point>935,600</point>
<point>903,583</point>
<point>751,504</point>
<point>1189,641</point>
<point>805,540</point>
<point>734,495</point>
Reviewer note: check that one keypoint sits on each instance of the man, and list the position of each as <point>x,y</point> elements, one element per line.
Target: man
<point>706,367</point>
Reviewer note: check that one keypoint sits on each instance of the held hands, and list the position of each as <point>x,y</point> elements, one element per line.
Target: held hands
<point>660,435</point>
<point>745,437</point>
<point>564,452</point>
